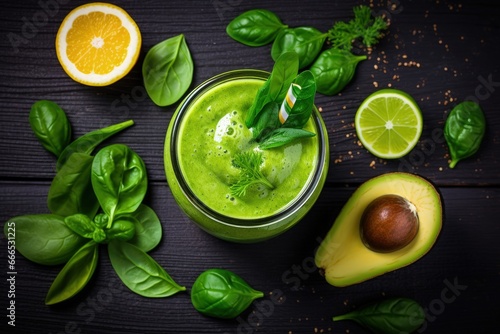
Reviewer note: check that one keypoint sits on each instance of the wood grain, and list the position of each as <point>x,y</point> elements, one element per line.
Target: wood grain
<point>440,52</point>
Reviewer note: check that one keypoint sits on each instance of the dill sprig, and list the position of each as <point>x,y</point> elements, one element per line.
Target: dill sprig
<point>250,173</point>
<point>363,28</point>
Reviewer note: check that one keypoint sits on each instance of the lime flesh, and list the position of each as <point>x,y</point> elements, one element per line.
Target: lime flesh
<point>389,123</point>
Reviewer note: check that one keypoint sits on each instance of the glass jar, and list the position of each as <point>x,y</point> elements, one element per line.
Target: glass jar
<point>194,194</point>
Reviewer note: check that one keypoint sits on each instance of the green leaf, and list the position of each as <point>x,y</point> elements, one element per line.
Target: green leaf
<point>123,228</point>
<point>274,89</point>
<point>81,225</point>
<point>267,121</point>
<point>89,141</point>
<point>50,125</point>
<point>255,27</point>
<point>283,136</point>
<point>140,272</point>
<point>303,106</point>
<point>307,42</point>
<point>148,230</point>
<point>389,316</point>
<point>334,69</point>
<point>464,130</point>
<point>168,70</point>
<point>44,238</point>
<point>222,294</point>
<point>250,173</point>
<point>71,189</point>
<point>74,275</point>
<point>284,72</point>
<point>119,180</point>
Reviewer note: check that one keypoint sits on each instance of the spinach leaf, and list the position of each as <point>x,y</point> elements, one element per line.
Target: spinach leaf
<point>389,316</point>
<point>307,42</point>
<point>140,272</point>
<point>274,89</point>
<point>334,69</point>
<point>74,275</point>
<point>283,136</point>
<point>81,225</point>
<point>50,125</point>
<point>123,228</point>
<point>168,70</point>
<point>44,238</point>
<point>88,142</point>
<point>148,230</point>
<point>255,27</point>
<point>119,180</point>
<point>71,190</point>
<point>222,294</point>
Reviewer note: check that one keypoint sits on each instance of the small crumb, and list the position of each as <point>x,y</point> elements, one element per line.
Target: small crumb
<point>440,169</point>
<point>320,109</point>
<point>375,84</point>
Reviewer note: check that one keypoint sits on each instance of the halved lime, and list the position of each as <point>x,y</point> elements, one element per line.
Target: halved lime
<point>389,123</point>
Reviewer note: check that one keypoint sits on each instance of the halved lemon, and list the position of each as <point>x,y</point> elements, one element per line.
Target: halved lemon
<point>389,123</point>
<point>98,44</point>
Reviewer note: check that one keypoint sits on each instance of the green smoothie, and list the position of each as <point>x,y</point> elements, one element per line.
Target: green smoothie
<point>213,131</point>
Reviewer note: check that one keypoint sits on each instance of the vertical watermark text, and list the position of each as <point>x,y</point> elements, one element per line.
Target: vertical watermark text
<point>11,273</point>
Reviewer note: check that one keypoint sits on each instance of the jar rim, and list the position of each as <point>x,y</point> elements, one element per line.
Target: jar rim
<point>301,198</point>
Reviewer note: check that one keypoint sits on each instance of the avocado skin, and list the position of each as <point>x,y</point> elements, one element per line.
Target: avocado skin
<point>343,258</point>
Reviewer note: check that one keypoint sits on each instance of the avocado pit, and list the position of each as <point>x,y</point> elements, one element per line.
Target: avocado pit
<point>389,223</point>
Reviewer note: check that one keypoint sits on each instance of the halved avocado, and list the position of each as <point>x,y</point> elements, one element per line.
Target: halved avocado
<point>342,255</point>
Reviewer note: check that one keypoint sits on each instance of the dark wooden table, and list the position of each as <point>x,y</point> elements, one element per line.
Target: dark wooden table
<point>441,52</point>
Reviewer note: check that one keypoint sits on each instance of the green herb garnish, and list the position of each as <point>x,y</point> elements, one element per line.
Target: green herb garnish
<point>250,173</point>
<point>364,27</point>
<point>271,116</point>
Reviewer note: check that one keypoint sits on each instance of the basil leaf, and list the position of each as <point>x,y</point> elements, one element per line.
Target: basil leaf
<point>305,41</point>
<point>284,72</point>
<point>81,225</point>
<point>334,69</point>
<point>222,294</point>
<point>255,27</point>
<point>50,125</point>
<point>71,190</point>
<point>148,230</point>
<point>303,106</point>
<point>267,121</point>
<point>44,238</point>
<point>74,275</point>
<point>140,272</point>
<point>389,316</point>
<point>119,180</point>
<point>261,99</point>
<point>274,89</point>
<point>283,136</point>
<point>88,142</point>
<point>168,70</point>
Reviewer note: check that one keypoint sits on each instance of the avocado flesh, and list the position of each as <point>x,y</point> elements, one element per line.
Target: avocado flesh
<point>342,255</point>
